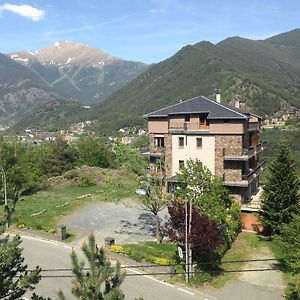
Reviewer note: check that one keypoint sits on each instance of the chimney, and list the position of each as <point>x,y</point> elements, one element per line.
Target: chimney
<point>218,96</point>
<point>237,103</point>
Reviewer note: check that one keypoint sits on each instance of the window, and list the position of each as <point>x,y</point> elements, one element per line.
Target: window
<point>199,143</point>
<point>181,164</point>
<point>181,142</point>
<point>187,118</point>
<point>159,141</point>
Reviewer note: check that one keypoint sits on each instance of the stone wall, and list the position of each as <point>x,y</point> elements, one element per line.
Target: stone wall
<point>232,142</point>
<point>151,142</point>
<point>168,154</point>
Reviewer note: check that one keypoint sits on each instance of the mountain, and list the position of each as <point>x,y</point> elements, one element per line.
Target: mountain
<point>78,71</point>
<point>52,115</point>
<point>265,74</point>
<point>20,90</point>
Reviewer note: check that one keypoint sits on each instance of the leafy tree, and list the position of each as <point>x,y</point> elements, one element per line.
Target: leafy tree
<point>204,234</point>
<point>155,200</point>
<point>206,192</point>
<point>281,192</point>
<point>101,281</point>
<point>93,153</point>
<point>129,159</point>
<point>15,279</point>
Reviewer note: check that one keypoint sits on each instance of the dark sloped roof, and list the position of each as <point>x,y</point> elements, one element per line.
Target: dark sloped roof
<point>201,104</point>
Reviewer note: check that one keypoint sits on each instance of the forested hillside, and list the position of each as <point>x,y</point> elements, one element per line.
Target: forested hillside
<point>264,74</point>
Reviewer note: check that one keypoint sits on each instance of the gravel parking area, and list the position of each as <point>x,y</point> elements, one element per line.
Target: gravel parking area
<point>126,221</point>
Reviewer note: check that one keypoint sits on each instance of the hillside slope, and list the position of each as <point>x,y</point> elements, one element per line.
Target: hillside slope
<point>20,89</point>
<point>264,74</point>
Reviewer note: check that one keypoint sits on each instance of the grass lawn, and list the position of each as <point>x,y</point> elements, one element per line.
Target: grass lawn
<point>163,254</point>
<point>242,249</point>
<point>61,198</point>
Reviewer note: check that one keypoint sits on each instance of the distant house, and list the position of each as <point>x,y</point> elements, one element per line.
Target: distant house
<point>224,138</point>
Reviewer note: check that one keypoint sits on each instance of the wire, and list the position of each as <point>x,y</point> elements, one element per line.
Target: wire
<point>182,273</point>
<point>183,264</point>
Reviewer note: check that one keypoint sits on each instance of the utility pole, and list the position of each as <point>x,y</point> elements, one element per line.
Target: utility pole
<point>4,187</point>
<point>187,248</point>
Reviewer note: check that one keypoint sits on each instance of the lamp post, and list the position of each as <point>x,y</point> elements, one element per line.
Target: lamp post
<point>4,186</point>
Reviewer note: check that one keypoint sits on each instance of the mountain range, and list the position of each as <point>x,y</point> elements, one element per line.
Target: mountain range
<point>263,73</point>
<point>66,71</point>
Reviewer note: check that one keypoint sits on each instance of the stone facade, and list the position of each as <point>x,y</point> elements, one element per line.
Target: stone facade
<point>151,141</point>
<point>235,145</point>
<point>168,154</point>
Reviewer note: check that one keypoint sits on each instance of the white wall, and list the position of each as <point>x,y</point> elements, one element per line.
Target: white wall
<point>190,151</point>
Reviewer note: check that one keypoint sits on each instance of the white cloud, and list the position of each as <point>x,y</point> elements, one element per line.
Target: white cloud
<point>24,10</point>
<point>155,11</point>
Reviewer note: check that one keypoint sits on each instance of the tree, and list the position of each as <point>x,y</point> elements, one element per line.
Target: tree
<point>101,281</point>
<point>155,200</point>
<point>281,192</point>
<point>61,158</point>
<point>203,190</point>
<point>289,242</point>
<point>204,235</point>
<point>15,279</point>
<point>93,153</point>
<point>129,159</point>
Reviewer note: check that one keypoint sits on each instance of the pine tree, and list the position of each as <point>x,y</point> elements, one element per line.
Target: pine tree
<point>15,279</point>
<point>281,192</point>
<point>101,281</point>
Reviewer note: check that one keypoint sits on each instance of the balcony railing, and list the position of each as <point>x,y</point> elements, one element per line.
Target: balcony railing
<point>260,168</point>
<point>187,126</point>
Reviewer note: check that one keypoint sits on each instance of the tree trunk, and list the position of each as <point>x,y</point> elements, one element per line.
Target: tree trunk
<point>157,229</point>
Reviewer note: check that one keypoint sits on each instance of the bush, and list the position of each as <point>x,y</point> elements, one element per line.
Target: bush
<point>117,249</point>
<point>86,182</point>
<point>51,230</point>
<point>158,260</point>
<point>71,174</point>
<point>200,278</point>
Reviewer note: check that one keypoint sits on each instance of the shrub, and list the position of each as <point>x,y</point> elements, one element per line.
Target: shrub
<point>158,260</point>
<point>200,278</point>
<point>51,230</point>
<point>71,174</point>
<point>86,182</point>
<point>21,225</point>
<point>117,249</point>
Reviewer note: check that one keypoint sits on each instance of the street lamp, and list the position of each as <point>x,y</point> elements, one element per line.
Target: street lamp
<point>4,186</point>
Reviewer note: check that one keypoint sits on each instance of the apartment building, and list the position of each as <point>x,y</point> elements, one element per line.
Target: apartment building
<point>224,138</point>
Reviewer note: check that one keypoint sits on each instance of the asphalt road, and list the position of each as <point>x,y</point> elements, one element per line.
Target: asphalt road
<point>51,255</point>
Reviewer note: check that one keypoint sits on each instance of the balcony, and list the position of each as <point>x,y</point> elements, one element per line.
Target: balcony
<point>187,127</point>
<point>244,182</point>
<point>260,168</point>
<point>156,152</point>
<point>243,154</point>
<point>238,154</point>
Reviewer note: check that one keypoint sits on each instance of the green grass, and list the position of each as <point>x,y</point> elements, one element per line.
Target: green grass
<point>148,250</point>
<point>112,185</point>
<point>242,249</point>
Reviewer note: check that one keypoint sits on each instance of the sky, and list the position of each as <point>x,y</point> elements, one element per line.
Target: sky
<point>141,30</point>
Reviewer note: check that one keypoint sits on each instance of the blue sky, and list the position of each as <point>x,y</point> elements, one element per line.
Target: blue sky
<point>142,30</point>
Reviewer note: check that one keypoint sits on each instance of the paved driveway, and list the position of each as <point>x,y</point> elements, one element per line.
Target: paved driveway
<point>126,221</point>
